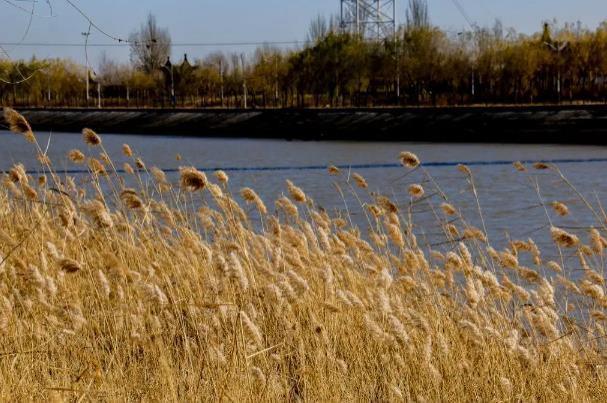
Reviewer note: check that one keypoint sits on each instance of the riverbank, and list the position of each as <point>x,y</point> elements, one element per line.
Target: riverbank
<point>501,124</point>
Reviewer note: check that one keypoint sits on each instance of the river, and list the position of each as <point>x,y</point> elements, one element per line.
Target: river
<point>508,199</point>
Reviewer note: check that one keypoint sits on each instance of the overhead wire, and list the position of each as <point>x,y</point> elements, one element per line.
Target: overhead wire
<point>462,11</point>
<point>25,34</point>
<point>31,16</point>
<point>94,25</point>
<point>23,77</point>
<point>25,10</point>
<point>86,53</point>
<point>104,32</point>
<point>178,44</point>
<point>29,22</point>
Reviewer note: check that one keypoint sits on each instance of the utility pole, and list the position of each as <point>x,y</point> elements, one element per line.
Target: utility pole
<point>173,100</point>
<point>86,36</point>
<point>87,85</point>
<point>221,81</point>
<point>275,80</point>
<point>558,47</point>
<point>397,45</point>
<point>48,88</point>
<point>377,11</point>
<point>244,81</point>
<point>357,17</point>
<point>466,36</point>
<point>473,89</point>
<point>397,57</point>
<point>98,94</point>
<point>342,21</point>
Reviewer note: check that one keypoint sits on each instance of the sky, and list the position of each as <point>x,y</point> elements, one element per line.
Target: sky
<point>213,21</point>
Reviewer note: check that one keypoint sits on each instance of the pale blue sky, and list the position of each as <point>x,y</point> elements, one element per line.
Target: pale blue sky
<point>250,20</point>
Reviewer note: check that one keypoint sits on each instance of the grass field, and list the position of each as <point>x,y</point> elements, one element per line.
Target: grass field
<point>197,291</point>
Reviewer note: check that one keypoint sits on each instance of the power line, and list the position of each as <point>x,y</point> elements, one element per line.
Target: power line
<point>26,11</point>
<point>127,42</point>
<point>27,30</point>
<point>177,44</point>
<point>462,11</point>
<point>92,23</point>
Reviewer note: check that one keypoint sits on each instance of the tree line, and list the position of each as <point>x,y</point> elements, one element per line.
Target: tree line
<point>420,65</point>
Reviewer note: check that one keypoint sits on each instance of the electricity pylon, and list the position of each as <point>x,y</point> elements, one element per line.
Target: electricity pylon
<point>370,19</point>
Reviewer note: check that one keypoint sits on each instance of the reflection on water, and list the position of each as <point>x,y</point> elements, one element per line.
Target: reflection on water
<point>509,200</point>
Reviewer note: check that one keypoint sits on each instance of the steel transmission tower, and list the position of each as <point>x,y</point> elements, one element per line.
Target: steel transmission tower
<point>371,19</point>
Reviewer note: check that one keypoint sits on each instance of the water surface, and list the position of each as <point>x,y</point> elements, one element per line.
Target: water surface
<point>509,200</point>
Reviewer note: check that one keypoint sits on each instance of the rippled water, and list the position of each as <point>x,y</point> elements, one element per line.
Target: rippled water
<point>509,200</point>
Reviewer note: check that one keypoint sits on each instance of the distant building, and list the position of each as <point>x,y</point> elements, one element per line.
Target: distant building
<point>177,78</point>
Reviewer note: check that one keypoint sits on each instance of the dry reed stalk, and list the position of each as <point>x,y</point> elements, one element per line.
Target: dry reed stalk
<point>303,308</point>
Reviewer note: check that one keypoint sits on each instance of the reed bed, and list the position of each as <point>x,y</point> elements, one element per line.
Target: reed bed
<point>192,290</point>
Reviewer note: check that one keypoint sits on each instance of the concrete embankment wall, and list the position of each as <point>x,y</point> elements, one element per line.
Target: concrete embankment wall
<point>540,124</point>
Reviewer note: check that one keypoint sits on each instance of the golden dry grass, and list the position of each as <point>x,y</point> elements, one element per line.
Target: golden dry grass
<point>185,292</point>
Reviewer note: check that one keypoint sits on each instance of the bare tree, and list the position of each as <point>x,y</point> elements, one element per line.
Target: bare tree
<point>150,45</point>
<point>318,29</point>
<point>417,14</point>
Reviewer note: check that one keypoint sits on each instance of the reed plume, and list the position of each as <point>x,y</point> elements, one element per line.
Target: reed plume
<point>192,179</point>
<point>519,166</point>
<point>448,209</point>
<point>563,238</point>
<point>296,193</point>
<point>250,196</point>
<point>76,156</point>
<point>416,191</point>
<point>127,151</point>
<point>18,124</point>
<point>130,198</point>
<point>360,181</point>
<point>222,176</point>
<point>90,137</point>
<point>409,160</point>
<point>333,170</point>
<point>541,166</point>
<point>69,265</point>
<point>560,208</point>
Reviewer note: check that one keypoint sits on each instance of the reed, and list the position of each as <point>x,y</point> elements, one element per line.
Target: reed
<point>181,292</point>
